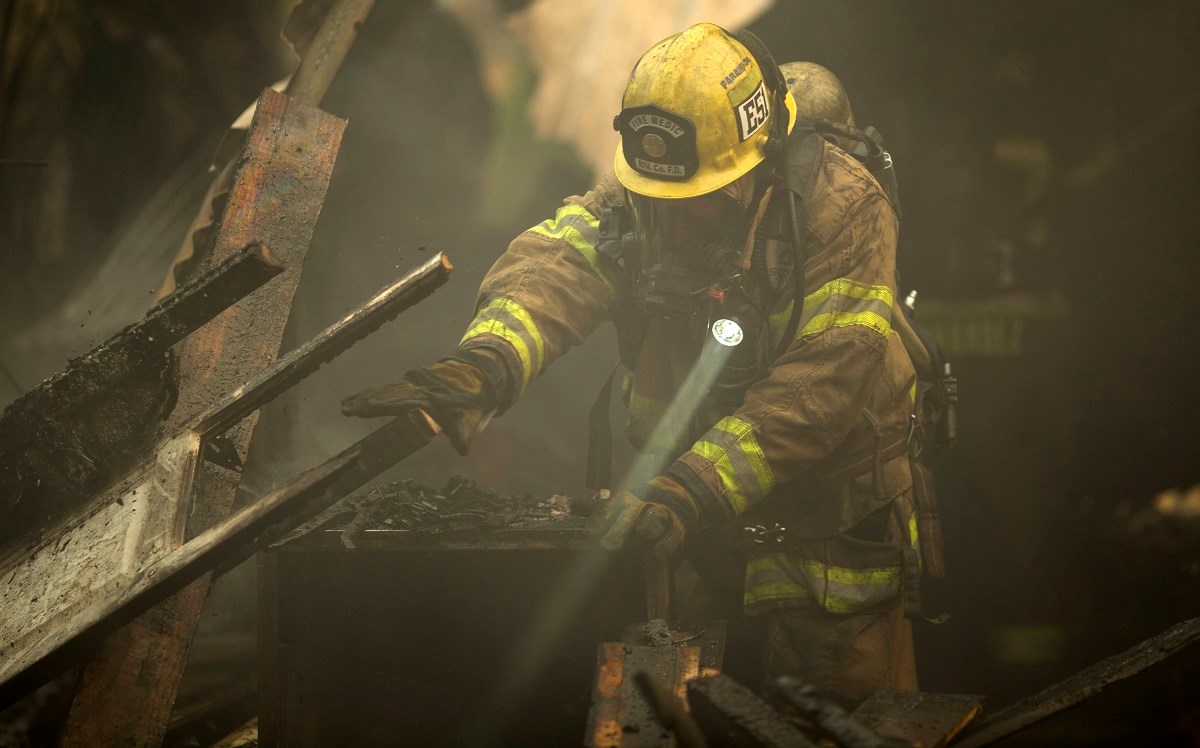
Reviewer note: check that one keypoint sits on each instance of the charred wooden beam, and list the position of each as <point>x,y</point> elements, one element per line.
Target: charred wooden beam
<point>830,718</point>
<point>730,714</point>
<point>930,720</point>
<point>144,342</point>
<point>1082,686</point>
<point>236,537</point>
<point>45,593</point>
<point>40,424</point>
<point>288,371</point>
<point>670,711</point>
<point>620,714</point>
<point>278,188</point>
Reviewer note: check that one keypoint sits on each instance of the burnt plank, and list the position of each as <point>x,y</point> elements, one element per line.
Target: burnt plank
<point>730,714</point>
<point>926,719</point>
<point>125,694</point>
<point>235,537</point>
<point>670,711</point>
<point>620,715</point>
<point>1082,686</point>
<point>46,593</point>
<point>285,373</point>
<point>708,636</point>
<point>831,718</point>
<point>55,412</point>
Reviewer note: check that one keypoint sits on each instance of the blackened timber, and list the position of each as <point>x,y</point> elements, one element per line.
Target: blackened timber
<point>930,720</point>
<point>1082,686</point>
<point>730,714</point>
<point>36,426</point>
<point>236,537</point>
<point>144,342</point>
<point>278,188</point>
<point>830,718</point>
<point>669,711</point>
<point>85,562</point>
<point>388,302</point>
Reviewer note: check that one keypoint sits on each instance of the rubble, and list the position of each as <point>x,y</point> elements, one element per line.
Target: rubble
<point>461,504</point>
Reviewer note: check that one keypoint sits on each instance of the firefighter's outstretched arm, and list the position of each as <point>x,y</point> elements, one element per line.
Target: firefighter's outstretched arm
<point>545,294</point>
<point>460,392</point>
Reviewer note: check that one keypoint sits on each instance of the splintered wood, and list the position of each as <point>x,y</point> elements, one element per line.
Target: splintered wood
<point>620,715</point>
<point>279,187</point>
<point>930,720</point>
<point>129,533</point>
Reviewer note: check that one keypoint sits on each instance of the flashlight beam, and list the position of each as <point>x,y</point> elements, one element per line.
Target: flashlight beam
<point>579,583</point>
<point>679,413</point>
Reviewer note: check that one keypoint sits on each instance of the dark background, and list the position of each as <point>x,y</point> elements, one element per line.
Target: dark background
<point>1046,150</point>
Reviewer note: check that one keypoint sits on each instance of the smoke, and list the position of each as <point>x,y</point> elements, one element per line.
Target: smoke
<point>579,584</point>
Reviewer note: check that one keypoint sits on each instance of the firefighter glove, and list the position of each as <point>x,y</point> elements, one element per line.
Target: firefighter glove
<point>656,516</point>
<point>460,392</point>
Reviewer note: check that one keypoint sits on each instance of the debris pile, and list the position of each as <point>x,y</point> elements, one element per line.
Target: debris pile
<point>462,504</point>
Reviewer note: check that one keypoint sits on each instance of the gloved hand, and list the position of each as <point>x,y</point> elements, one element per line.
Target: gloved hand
<point>460,392</point>
<point>657,515</point>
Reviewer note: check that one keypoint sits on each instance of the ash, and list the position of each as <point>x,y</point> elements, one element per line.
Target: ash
<point>462,504</point>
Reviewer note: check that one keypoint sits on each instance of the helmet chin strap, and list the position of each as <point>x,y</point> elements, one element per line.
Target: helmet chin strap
<point>764,199</point>
<point>742,189</point>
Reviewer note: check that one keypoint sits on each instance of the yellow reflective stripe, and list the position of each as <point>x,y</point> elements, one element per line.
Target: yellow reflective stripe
<point>775,591</point>
<point>492,327</point>
<point>823,322</point>
<point>521,315</point>
<point>578,227</point>
<point>849,288</point>
<point>912,394</point>
<point>733,450</point>
<point>778,321</point>
<point>914,539</point>
<point>508,320</point>
<point>837,589</point>
<point>841,302</point>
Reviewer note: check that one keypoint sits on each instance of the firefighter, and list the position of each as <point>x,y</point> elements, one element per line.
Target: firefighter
<point>729,225</point>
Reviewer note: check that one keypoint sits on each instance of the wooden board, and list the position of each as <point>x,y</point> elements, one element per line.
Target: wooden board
<point>730,714</point>
<point>1082,686</point>
<point>130,532</point>
<point>708,636</point>
<point>125,694</point>
<point>620,715</point>
<point>60,594</point>
<point>929,720</point>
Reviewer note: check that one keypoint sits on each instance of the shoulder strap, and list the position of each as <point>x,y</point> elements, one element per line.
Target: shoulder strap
<point>803,151</point>
<point>599,463</point>
<point>866,145</point>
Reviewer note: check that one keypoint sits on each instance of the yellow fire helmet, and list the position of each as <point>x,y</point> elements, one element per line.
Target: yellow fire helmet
<point>696,115</point>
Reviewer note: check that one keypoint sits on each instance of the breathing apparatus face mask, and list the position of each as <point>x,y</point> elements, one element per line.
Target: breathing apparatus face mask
<point>687,247</point>
<point>689,252</point>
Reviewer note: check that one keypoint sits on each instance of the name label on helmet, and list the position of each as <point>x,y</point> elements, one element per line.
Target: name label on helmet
<point>658,143</point>
<point>752,113</point>
<point>659,170</point>
<point>728,80</point>
<point>652,120</point>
